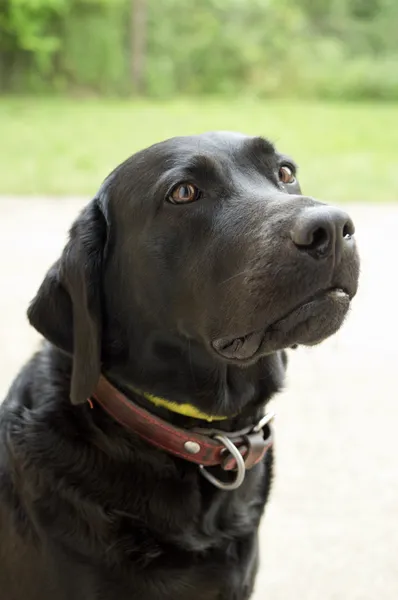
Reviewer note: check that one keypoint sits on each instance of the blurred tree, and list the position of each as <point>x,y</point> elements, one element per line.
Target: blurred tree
<point>139,16</point>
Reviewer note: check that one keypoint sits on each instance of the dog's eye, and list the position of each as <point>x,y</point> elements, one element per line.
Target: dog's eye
<point>184,193</point>
<point>286,174</point>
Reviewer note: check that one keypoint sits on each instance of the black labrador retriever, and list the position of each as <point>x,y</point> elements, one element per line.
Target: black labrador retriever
<point>135,446</point>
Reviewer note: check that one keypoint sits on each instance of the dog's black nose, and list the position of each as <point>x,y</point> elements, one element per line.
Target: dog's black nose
<point>322,231</point>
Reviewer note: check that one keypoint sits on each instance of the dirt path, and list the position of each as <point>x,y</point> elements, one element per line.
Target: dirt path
<point>331,529</point>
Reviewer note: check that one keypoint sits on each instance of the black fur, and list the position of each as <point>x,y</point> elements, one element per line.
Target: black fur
<point>87,510</point>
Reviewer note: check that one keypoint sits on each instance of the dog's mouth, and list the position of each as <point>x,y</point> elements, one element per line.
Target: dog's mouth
<point>308,324</point>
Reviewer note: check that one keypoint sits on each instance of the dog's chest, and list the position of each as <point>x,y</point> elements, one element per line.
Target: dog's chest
<point>212,578</point>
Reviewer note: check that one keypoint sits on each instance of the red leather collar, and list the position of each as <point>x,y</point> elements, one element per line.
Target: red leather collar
<point>205,447</point>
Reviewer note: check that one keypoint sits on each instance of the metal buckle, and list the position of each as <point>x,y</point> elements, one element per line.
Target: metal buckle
<point>240,461</point>
<point>241,467</point>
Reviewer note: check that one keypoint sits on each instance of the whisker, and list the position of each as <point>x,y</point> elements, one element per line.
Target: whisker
<point>245,272</point>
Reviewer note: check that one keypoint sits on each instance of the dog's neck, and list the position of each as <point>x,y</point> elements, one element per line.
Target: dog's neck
<point>183,373</point>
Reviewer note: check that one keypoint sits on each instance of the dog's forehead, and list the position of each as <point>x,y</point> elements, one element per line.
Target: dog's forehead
<point>229,149</point>
<point>220,144</point>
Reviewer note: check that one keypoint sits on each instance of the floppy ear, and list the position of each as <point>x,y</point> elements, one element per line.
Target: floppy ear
<point>67,308</point>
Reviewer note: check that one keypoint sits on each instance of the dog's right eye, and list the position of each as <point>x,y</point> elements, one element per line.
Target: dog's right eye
<point>286,174</point>
<point>183,193</point>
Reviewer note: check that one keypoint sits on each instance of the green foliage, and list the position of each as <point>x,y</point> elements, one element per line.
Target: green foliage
<point>59,44</point>
<point>30,22</point>
<point>28,28</point>
<point>308,48</point>
<point>96,47</point>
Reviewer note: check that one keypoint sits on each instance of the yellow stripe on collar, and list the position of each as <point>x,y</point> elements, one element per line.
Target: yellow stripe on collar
<point>188,410</point>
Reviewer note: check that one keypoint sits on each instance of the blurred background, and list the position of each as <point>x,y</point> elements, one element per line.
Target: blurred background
<point>85,83</point>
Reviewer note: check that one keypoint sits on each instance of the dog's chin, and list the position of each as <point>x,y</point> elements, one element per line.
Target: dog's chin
<point>308,324</point>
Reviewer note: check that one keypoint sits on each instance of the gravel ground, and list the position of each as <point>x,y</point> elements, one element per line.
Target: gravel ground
<point>331,528</point>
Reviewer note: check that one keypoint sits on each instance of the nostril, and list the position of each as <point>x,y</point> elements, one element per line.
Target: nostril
<point>348,230</point>
<point>320,237</point>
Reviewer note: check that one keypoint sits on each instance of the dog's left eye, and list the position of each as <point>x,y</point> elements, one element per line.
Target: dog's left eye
<point>183,193</point>
<point>286,174</point>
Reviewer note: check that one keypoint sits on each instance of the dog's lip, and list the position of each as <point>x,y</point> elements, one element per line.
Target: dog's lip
<point>246,347</point>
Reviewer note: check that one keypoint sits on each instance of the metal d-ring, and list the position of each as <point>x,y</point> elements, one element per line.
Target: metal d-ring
<point>241,467</point>
<point>266,419</point>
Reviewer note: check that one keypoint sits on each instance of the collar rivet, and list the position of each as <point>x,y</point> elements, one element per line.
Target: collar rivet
<point>192,447</point>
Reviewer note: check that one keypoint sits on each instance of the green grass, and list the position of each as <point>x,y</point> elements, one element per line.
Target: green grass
<point>346,152</point>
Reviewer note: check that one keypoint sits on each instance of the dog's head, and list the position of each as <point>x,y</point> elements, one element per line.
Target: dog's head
<point>198,252</point>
